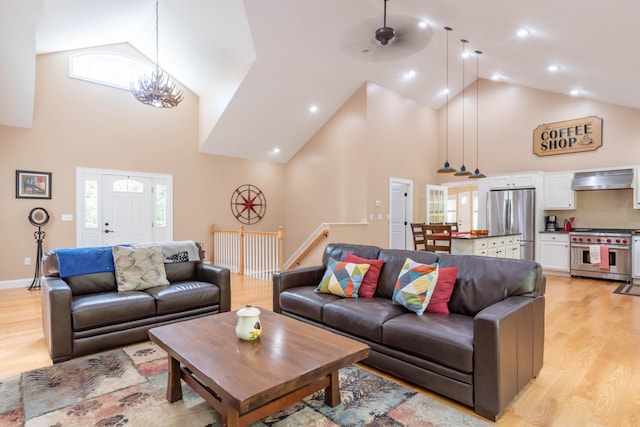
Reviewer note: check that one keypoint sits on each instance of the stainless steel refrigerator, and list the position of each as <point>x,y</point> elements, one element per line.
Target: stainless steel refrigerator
<point>513,211</point>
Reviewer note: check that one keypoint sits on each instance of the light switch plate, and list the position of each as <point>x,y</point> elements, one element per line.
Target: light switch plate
<point>67,217</point>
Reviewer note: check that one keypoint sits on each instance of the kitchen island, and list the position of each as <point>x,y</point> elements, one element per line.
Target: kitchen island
<point>492,245</point>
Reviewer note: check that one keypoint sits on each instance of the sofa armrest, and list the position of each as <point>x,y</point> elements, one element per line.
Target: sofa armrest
<point>55,295</point>
<point>283,280</point>
<point>219,276</point>
<point>508,347</point>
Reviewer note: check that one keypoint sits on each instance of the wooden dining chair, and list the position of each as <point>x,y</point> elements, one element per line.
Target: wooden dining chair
<point>437,238</point>
<point>418,236</point>
<point>454,225</point>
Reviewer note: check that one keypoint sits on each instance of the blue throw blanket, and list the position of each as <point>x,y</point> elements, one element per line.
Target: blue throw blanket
<point>77,261</point>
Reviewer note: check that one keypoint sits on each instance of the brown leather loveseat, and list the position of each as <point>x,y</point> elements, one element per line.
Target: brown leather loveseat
<point>482,354</point>
<point>86,313</point>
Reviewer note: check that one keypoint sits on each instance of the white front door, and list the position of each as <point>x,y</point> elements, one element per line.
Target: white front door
<point>126,209</point>
<point>114,207</point>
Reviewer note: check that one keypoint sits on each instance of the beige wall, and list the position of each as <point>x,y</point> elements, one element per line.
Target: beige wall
<point>402,136</point>
<point>327,178</point>
<point>81,124</point>
<point>346,166</point>
<point>509,114</point>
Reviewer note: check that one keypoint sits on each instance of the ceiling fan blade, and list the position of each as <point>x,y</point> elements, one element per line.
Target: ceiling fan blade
<point>360,42</point>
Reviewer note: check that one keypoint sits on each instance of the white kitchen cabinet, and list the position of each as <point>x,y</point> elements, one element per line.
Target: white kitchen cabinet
<point>496,247</point>
<point>636,189</point>
<point>557,193</point>
<point>635,259</point>
<point>512,247</point>
<point>512,181</point>
<point>555,255</point>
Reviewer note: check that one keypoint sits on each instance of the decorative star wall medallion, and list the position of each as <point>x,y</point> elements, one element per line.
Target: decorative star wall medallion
<point>248,204</point>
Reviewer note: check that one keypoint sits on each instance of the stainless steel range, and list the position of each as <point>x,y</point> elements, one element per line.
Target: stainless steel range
<point>612,246</point>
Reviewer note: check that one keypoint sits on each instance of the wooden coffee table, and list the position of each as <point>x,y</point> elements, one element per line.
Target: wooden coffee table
<point>247,380</point>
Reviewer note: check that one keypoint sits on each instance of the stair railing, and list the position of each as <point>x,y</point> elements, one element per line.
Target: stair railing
<point>251,253</point>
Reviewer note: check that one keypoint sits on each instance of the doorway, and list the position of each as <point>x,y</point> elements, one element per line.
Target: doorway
<point>114,207</point>
<point>462,205</point>
<point>463,211</point>
<point>400,213</point>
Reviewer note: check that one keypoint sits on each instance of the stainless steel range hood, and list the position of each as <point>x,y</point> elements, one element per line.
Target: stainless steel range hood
<point>603,180</point>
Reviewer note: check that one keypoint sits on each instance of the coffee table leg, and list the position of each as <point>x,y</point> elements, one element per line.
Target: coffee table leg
<point>231,418</point>
<point>174,387</point>
<point>332,392</point>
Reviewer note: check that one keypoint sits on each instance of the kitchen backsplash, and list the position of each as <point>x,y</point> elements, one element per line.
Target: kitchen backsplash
<point>602,209</point>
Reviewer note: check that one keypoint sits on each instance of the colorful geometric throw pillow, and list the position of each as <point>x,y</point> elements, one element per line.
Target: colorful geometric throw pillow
<point>370,281</point>
<point>439,302</point>
<point>415,285</point>
<point>342,278</point>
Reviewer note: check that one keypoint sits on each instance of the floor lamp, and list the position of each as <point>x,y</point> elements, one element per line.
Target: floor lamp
<point>38,217</point>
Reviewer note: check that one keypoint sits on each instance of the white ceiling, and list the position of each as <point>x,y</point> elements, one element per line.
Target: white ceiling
<point>258,65</point>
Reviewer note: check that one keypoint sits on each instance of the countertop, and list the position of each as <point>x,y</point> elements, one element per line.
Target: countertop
<point>561,231</point>
<point>480,236</point>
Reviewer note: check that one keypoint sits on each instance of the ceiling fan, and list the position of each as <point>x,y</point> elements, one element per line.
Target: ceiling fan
<point>384,33</point>
<point>407,36</point>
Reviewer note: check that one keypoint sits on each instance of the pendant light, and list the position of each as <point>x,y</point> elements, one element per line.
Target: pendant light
<point>463,170</point>
<point>447,168</point>
<point>157,90</point>
<point>477,173</point>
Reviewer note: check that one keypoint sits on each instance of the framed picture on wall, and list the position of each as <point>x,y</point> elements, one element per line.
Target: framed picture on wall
<point>33,185</point>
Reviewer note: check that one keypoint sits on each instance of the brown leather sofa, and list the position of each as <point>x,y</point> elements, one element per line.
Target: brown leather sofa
<point>482,354</point>
<point>85,314</point>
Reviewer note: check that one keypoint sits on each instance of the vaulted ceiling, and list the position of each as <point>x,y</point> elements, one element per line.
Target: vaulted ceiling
<point>257,66</point>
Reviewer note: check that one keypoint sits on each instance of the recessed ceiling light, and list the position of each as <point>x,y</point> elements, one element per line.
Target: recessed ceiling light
<point>422,24</point>
<point>575,92</point>
<point>313,109</point>
<point>410,74</point>
<point>496,77</point>
<point>445,91</point>
<point>276,150</point>
<point>553,68</point>
<point>522,33</point>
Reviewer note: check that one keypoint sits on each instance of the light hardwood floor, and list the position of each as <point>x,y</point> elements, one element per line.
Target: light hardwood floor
<point>591,373</point>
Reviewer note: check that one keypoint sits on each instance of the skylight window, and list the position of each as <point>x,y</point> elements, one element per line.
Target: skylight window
<point>109,69</point>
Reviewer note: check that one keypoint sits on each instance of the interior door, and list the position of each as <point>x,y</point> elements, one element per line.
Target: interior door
<point>464,211</point>
<point>398,221</point>
<point>126,209</point>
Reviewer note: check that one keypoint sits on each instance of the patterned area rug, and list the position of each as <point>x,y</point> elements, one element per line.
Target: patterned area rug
<point>127,387</point>
<point>628,289</point>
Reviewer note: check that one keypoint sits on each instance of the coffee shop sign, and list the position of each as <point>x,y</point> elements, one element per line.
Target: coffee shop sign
<point>571,136</point>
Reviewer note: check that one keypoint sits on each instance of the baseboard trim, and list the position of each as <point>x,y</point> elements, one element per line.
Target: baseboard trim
<point>19,283</point>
